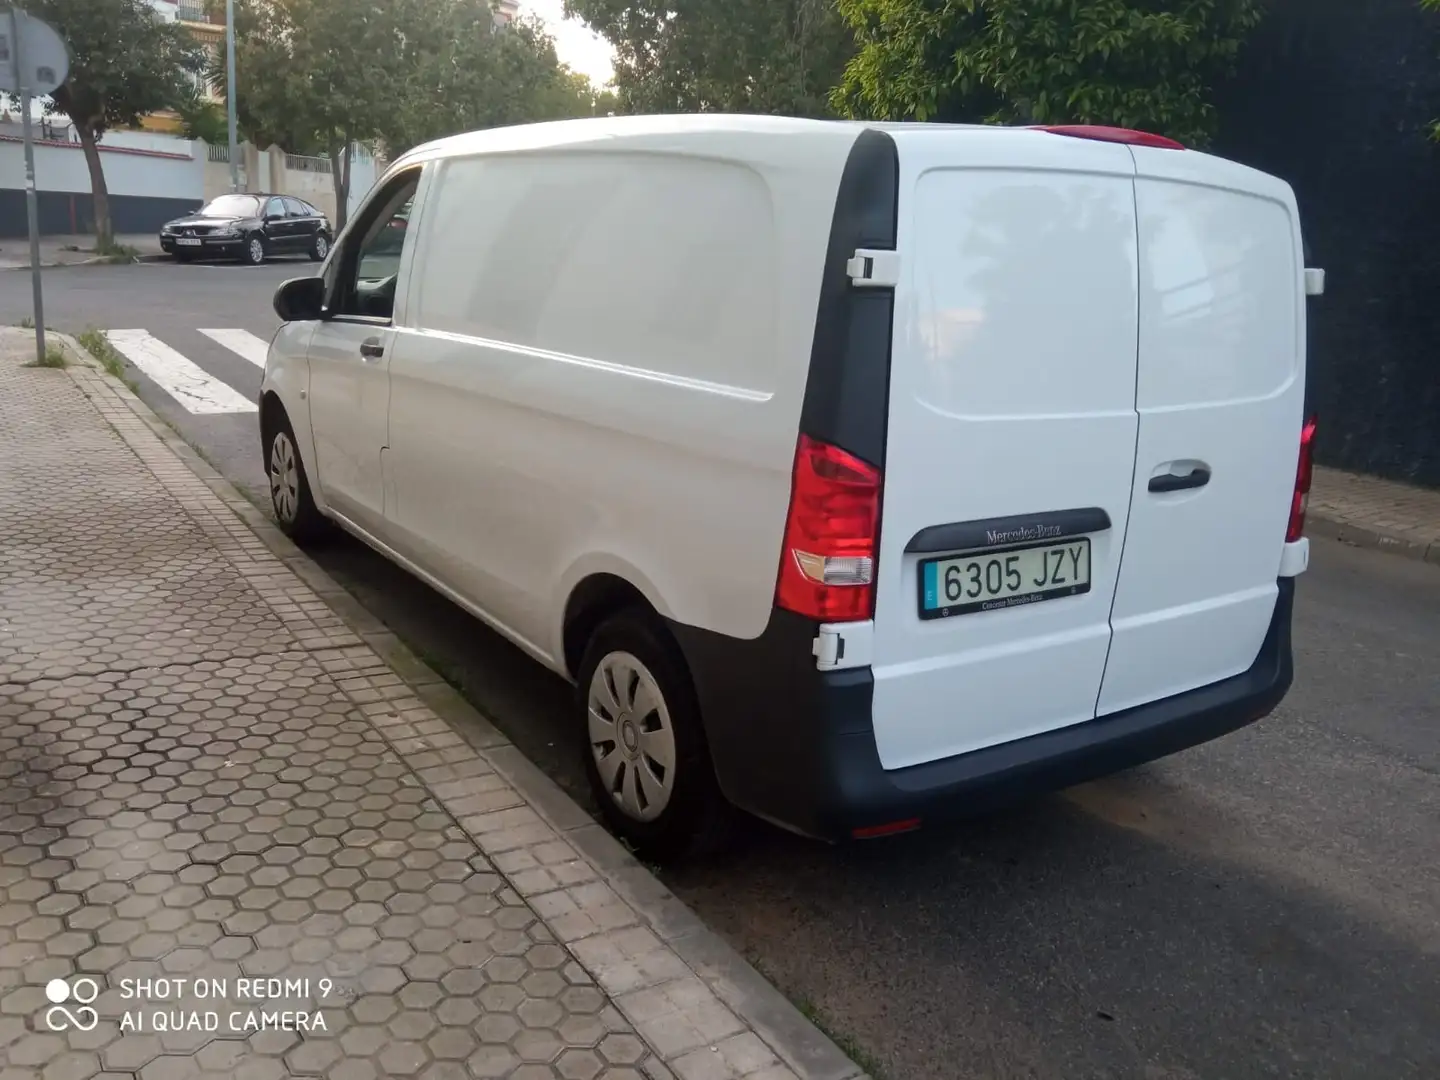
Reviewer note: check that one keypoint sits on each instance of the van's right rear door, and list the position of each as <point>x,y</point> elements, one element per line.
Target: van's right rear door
<point>1221,393</point>
<point>1010,449</point>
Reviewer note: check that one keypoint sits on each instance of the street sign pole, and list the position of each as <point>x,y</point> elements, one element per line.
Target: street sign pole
<point>32,210</point>
<point>230,92</point>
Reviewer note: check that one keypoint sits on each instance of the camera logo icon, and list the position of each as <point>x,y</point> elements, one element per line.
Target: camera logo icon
<point>81,992</point>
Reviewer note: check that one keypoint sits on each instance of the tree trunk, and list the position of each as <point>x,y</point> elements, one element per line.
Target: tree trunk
<point>99,193</point>
<point>340,177</point>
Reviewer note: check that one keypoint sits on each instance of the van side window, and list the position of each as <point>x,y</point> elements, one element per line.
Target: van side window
<point>369,268</point>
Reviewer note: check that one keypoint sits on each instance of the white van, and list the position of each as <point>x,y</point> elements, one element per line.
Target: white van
<point>857,474</point>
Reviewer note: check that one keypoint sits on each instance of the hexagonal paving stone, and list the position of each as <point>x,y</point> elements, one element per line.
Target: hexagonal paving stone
<point>453,1043</point>
<point>622,1049</point>
<point>493,1061</point>
<point>579,1065</point>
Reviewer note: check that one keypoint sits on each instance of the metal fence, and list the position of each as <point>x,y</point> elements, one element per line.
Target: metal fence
<point>192,13</point>
<point>301,163</point>
<point>217,152</point>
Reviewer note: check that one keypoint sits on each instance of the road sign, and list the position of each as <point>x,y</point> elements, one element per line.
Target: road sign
<point>46,60</point>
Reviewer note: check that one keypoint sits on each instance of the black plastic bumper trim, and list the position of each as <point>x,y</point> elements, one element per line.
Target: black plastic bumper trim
<point>796,746</point>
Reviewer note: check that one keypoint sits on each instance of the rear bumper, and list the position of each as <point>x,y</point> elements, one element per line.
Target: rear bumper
<point>796,746</point>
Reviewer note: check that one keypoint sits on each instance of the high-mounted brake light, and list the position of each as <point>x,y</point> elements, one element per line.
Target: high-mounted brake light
<point>1100,133</point>
<point>827,567</point>
<point>1304,470</point>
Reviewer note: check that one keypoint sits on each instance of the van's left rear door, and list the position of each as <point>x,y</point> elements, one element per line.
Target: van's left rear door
<point>1010,449</point>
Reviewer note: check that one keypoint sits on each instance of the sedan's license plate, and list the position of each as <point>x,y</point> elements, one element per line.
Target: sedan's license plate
<point>186,241</point>
<point>1003,578</point>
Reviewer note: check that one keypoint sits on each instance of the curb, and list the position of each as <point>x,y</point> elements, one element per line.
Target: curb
<point>96,261</point>
<point>802,1046</point>
<point>1365,536</point>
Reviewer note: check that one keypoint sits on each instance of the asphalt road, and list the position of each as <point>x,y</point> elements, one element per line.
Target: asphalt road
<point>1267,905</point>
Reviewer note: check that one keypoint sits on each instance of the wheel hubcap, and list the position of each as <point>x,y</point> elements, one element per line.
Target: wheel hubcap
<point>321,246</point>
<point>631,736</point>
<point>284,478</point>
<point>256,251</point>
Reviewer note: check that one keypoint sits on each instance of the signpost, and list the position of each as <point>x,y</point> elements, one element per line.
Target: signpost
<point>33,62</point>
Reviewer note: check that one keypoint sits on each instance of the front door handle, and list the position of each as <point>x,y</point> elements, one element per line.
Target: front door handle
<point>372,349</point>
<point>1197,477</point>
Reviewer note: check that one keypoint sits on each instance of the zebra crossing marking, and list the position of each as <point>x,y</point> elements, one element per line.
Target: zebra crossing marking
<point>189,384</point>
<point>242,343</point>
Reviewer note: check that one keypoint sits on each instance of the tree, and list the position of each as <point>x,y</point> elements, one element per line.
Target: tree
<point>1147,64</point>
<point>124,63</point>
<point>316,76</point>
<point>202,119</point>
<point>765,56</point>
<point>468,75</point>
<point>319,76</point>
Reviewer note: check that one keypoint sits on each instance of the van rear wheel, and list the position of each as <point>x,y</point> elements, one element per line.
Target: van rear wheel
<point>644,749</point>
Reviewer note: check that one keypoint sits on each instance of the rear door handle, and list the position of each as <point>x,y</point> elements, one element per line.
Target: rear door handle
<point>372,349</point>
<point>1197,477</point>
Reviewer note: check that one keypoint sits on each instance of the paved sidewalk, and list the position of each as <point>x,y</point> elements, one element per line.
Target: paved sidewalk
<point>234,842</point>
<point>1375,513</point>
<point>72,250</point>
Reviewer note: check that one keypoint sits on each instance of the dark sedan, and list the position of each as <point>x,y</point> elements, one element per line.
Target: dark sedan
<point>250,228</point>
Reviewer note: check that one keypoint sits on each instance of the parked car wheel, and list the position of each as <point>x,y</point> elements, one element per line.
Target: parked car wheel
<point>645,753</point>
<point>295,510</point>
<point>255,250</point>
<point>319,247</point>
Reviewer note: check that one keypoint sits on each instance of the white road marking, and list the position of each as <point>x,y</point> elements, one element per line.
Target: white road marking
<point>241,342</point>
<point>179,377</point>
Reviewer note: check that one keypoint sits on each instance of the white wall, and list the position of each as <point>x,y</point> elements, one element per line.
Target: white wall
<point>165,166</point>
<point>177,174</point>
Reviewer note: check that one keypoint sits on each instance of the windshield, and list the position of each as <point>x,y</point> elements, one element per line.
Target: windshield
<point>232,206</point>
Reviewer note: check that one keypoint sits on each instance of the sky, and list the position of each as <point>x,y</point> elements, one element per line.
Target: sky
<point>576,45</point>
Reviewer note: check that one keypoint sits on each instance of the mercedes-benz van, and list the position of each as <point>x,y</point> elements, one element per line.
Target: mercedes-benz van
<point>857,474</point>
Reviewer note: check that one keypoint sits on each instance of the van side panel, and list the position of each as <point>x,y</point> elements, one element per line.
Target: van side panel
<point>603,366</point>
<point>1012,396</point>
<point>1220,389</point>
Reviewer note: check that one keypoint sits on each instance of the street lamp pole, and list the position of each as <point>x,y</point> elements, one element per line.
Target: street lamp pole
<point>230,93</point>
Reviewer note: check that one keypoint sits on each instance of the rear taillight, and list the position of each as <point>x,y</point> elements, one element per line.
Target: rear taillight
<point>827,568</point>
<point>1303,472</point>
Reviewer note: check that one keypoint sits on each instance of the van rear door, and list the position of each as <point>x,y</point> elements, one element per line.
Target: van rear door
<point>1220,396</point>
<point>1011,436</point>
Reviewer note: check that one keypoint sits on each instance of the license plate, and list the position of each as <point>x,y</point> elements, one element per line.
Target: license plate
<point>188,241</point>
<point>1003,578</point>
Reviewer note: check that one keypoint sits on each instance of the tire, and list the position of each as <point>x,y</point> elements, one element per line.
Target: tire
<point>319,247</point>
<point>290,499</point>
<point>254,250</point>
<point>650,774</point>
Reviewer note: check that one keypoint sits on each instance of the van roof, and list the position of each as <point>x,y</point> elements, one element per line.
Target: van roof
<point>593,129</point>
<point>753,137</point>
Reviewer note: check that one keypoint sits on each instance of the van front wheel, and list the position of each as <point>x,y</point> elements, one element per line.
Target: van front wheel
<point>645,752</point>
<point>295,510</point>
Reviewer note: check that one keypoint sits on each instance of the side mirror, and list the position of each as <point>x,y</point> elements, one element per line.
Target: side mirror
<point>300,299</point>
